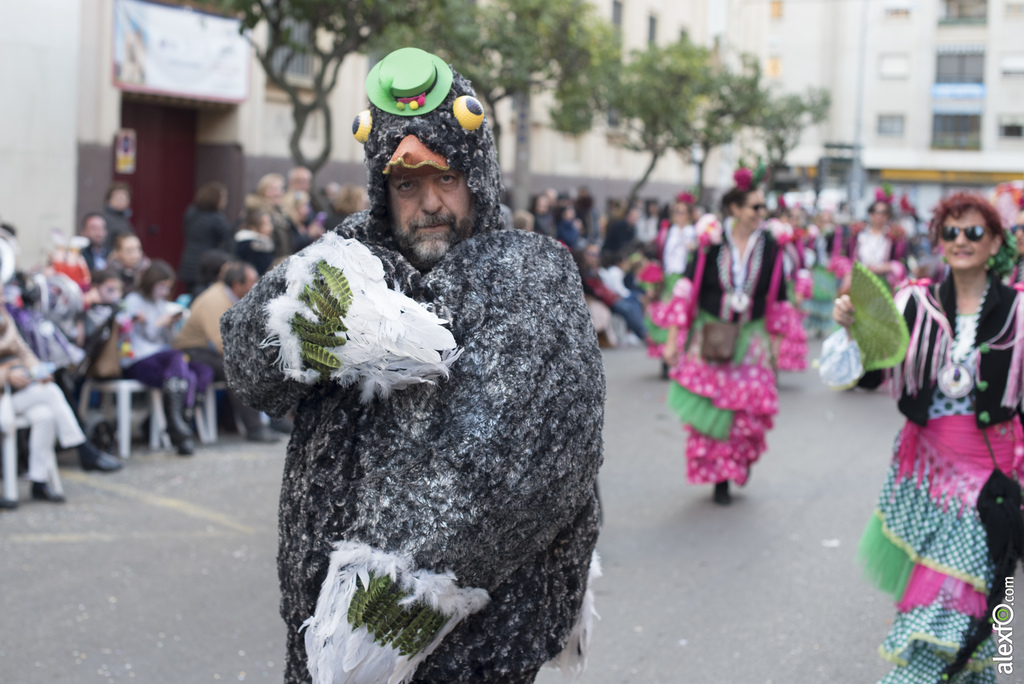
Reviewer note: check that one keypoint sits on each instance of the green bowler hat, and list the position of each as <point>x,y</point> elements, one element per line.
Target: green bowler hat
<point>409,82</point>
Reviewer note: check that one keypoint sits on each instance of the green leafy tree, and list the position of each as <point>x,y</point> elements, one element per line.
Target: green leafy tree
<point>514,49</point>
<point>655,100</point>
<point>784,119</point>
<point>727,101</point>
<point>324,32</point>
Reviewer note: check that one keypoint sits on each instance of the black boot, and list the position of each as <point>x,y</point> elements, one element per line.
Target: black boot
<point>42,491</point>
<point>722,496</point>
<point>174,409</point>
<point>92,458</point>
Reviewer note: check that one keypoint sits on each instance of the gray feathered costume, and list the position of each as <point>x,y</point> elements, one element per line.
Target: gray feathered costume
<point>438,513</point>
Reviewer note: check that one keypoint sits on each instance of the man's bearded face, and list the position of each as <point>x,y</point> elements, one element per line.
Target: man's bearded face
<point>430,213</point>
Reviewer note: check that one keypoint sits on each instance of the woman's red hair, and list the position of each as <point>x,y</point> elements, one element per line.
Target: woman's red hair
<point>957,204</point>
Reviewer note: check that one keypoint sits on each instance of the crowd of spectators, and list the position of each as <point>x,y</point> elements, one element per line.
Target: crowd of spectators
<point>102,308</point>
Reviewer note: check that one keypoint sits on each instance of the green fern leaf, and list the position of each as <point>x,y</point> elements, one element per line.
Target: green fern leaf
<point>321,356</point>
<point>337,284</point>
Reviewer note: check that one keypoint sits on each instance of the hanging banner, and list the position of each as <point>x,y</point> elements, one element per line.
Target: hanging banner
<point>124,151</point>
<point>179,52</point>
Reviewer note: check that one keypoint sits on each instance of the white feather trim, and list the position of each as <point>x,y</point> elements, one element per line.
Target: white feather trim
<point>338,654</point>
<point>573,659</point>
<point>393,341</point>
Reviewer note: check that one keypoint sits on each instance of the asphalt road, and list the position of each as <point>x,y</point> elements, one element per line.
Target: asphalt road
<point>164,573</point>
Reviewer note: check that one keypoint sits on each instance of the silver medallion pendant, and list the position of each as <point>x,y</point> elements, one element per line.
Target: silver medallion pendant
<point>955,380</point>
<point>739,301</point>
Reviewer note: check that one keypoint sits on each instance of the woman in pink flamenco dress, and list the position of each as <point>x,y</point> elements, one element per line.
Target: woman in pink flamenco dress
<point>725,394</point>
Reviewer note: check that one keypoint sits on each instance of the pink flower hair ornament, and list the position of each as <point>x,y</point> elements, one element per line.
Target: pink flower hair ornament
<point>686,198</point>
<point>743,177</point>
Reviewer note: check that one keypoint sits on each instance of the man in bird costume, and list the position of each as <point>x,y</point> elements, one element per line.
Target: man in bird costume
<point>438,512</point>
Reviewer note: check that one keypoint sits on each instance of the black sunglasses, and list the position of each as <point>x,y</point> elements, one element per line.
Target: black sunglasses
<point>1017,228</point>
<point>972,233</point>
<point>758,207</point>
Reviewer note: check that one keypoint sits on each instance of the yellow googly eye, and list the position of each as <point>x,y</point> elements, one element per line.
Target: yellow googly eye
<point>362,125</point>
<point>469,112</point>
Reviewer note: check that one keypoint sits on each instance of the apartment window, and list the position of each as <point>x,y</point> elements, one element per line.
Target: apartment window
<point>890,125</point>
<point>894,66</point>
<point>773,67</point>
<point>1011,126</point>
<point>617,15</point>
<point>964,11</point>
<point>301,64</point>
<point>1012,65</point>
<point>776,9</point>
<point>1014,10</point>
<point>960,67</point>
<point>956,131</point>
<point>652,29</point>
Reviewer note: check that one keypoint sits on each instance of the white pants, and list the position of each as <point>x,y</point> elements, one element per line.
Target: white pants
<point>47,410</point>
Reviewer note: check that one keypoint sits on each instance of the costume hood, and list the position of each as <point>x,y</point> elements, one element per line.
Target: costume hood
<point>441,130</point>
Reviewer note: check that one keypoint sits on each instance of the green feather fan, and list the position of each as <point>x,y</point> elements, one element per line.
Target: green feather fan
<point>878,326</point>
<point>409,629</point>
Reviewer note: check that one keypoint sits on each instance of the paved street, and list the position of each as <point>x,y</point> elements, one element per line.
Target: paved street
<point>164,573</point>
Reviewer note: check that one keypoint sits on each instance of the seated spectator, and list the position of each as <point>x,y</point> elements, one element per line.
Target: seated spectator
<point>306,228</point>
<point>117,211</point>
<point>128,260</point>
<point>211,267</point>
<point>147,355</point>
<point>94,227</point>
<point>522,220</point>
<point>567,229</point>
<point>200,338</point>
<point>48,412</point>
<point>205,228</point>
<point>628,307</point>
<point>254,242</point>
<point>103,301</point>
<point>348,200</point>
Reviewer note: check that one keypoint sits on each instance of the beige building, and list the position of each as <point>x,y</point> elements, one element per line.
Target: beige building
<point>943,89</point>
<point>166,98</point>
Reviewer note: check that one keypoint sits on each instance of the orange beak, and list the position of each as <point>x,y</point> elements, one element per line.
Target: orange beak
<point>413,158</point>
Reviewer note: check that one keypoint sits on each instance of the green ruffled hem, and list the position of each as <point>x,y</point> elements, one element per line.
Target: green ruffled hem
<point>888,560</point>
<point>699,413</point>
<point>886,564</point>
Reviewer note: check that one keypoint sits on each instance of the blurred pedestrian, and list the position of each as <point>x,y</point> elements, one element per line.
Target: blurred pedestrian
<point>543,216</point>
<point>622,233</point>
<point>117,211</point>
<point>348,200</point>
<point>128,259</point>
<point>522,220</point>
<point>269,193</point>
<point>718,349</point>
<point>205,228</point>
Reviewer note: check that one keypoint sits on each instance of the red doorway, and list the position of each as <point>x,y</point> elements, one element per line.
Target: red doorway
<point>163,184</point>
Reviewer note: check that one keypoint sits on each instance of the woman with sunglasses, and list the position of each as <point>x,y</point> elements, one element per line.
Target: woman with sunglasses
<point>947,529</point>
<point>718,348</point>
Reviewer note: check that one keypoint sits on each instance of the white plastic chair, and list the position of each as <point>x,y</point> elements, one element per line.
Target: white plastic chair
<point>122,391</point>
<point>206,420</point>
<point>10,452</point>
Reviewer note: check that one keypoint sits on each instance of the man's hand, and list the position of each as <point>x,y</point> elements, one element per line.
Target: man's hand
<point>19,378</point>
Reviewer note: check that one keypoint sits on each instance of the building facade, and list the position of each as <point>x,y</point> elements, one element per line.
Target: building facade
<point>166,97</point>
<point>942,82</point>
